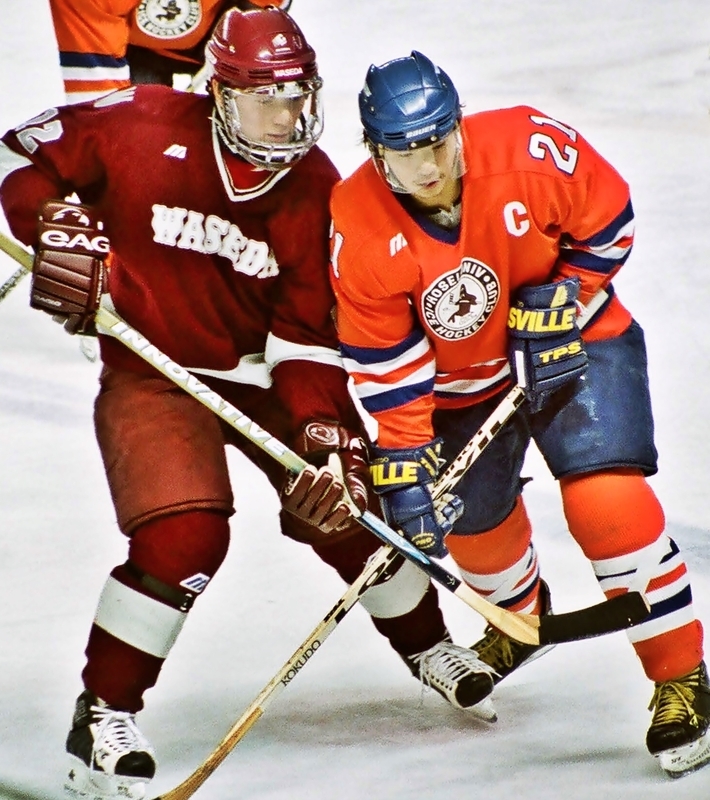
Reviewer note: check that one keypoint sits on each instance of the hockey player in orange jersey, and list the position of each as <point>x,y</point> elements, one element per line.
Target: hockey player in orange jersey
<point>463,252</point>
<point>107,46</point>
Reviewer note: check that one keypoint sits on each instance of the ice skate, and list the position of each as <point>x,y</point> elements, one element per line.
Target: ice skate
<point>109,757</point>
<point>458,675</point>
<point>678,735</point>
<point>504,655</point>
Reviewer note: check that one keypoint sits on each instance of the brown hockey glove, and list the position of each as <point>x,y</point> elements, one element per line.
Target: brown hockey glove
<point>326,493</point>
<point>68,270</point>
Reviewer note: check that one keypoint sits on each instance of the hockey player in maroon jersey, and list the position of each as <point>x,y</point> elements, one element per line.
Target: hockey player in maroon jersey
<point>206,218</point>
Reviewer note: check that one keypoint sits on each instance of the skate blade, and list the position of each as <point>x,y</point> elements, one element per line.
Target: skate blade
<point>484,710</point>
<point>682,761</point>
<point>83,783</point>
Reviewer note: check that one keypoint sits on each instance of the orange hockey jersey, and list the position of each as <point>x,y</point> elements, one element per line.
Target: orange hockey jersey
<point>422,312</point>
<point>93,35</point>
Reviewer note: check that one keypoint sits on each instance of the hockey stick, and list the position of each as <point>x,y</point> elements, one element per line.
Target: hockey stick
<point>377,564</point>
<point>519,626</point>
<point>603,618</point>
<point>11,282</point>
<point>606,617</point>
<point>386,555</point>
<point>611,615</point>
<point>21,255</point>
<point>198,80</point>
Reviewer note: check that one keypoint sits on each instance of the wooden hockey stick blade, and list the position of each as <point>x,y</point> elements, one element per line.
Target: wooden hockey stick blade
<point>609,616</point>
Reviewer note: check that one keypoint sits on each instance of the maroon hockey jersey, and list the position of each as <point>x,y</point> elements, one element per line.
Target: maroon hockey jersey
<point>215,259</point>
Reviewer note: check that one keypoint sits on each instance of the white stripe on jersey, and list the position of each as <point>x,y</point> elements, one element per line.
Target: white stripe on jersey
<point>278,350</point>
<point>367,389</point>
<point>84,97</point>
<point>92,74</point>
<point>381,368</point>
<point>463,386</point>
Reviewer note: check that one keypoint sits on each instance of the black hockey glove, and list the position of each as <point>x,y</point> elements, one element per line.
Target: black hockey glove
<point>404,479</point>
<point>326,493</point>
<point>545,346</point>
<point>68,269</point>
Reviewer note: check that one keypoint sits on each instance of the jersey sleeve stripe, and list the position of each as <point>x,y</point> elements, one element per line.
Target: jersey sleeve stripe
<point>603,260</point>
<point>469,387</point>
<point>394,398</point>
<point>96,77</point>
<point>410,347</point>
<point>387,378</point>
<point>594,263</point>
<point>607,250</point>
<point>91,60</point>
<point>366,386</point>
<point>622,225</point>
<point>88,76</point>
<point>391,371</point>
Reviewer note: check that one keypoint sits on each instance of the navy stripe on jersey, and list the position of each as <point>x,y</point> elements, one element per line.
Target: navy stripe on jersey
<point>90,60</point>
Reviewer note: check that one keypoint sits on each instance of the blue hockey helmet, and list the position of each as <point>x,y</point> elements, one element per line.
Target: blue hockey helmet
<point>407,103</point>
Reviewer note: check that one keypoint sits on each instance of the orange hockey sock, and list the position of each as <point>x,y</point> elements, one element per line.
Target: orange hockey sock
<point>614,516</point>
<point>611,513</point>
<point>503,549</point>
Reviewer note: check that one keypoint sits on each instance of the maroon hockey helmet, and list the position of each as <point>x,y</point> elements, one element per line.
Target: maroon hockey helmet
<point>249,49</point>
<point>264,54</point>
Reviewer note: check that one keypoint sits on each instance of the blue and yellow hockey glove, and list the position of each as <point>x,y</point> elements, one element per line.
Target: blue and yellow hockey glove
<point>403,479</point>
<point>545,347</point>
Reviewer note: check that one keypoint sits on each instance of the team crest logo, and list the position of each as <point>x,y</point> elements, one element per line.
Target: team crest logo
<point>168,19</point>
<point>459,302</point>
